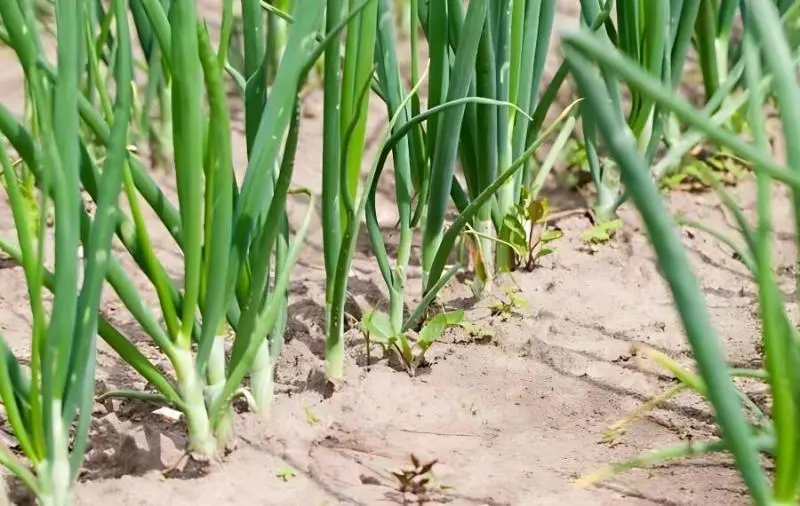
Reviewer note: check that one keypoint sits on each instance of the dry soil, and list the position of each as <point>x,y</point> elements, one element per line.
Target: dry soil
<point>511,420</point>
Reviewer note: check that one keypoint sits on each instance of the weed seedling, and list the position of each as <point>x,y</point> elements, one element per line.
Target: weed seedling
<point>286,473</point>
<point>701,165</point>
<point>415,481</point>
<point>601,232</point>
<point>529,233</point>
<point>409,346</point>
<point>509,305</point>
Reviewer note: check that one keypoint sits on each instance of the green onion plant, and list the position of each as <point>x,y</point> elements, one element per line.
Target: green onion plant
<point>658,36</point>
<point>713,38</point>
<point>424,145</point>
<point>154,104</point>
<point>234,238</point>
<point>505,64</point>
<point>661,36</point>
<point>347,78</point>
<point>746,433</point>
<point>49,404</point>
<point>424,177</point>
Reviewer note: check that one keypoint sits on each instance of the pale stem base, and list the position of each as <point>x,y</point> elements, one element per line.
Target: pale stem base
<point>54,476</point>
<point>223,432</point>
<point>262,379</point>
<point>201,437</point>
<point>334,346</point>
<point>487,248</point>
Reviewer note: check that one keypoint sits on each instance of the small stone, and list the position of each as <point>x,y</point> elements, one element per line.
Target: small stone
<point>168,414</point>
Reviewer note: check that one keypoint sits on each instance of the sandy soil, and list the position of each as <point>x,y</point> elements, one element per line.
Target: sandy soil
<point>511,420</point>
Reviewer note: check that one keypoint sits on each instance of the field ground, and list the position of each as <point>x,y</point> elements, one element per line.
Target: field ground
<point>512,419</point>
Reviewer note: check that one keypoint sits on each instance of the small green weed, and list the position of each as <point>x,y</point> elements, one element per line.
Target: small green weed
<point>528,232</point>
<point>697,167</point>
<point>286,473</point>
<point>509,305</point>
<point>409,346</point>
<point>602,232</point>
